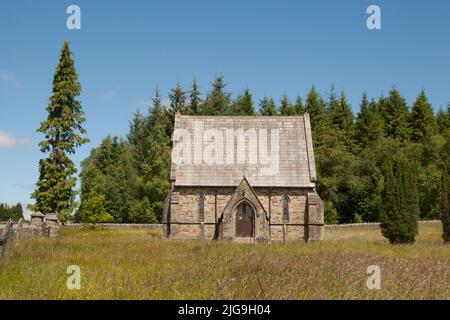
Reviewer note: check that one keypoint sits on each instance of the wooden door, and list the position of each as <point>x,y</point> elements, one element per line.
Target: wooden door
<point>244,220</point>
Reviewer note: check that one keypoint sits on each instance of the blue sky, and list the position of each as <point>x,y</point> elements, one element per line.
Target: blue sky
<point>126,48</point>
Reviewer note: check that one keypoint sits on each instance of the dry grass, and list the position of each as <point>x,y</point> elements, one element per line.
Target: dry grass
<point>136,264</point>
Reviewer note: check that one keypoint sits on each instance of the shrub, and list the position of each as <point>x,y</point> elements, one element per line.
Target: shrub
<point>400,201</point>
<point>444,206</point>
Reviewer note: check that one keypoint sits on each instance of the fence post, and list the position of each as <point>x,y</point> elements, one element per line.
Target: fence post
<point>6,239</point>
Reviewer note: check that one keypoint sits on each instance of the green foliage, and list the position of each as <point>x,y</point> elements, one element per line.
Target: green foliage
<point>400,201</point>
<point>423,122</point>
<point>133,174</point>
<point>94,209</point>
<point>330,212</point>
<point>63,134</point>
<point>396,115</point>
<point>177,99</point>
<point>298,106</point>
<point>14,212</point>
<point>315,106</point>
<point>217,102</point>
<point>443,119</point>
<point>243,105</point>
<point>286,108</point>
<point>351,183</point>
<point>341,118</point>
<point>444,205</point>
<point>267,107</point>
<point>195,102</point>
<point>109,171</point>
<point>369,123</point>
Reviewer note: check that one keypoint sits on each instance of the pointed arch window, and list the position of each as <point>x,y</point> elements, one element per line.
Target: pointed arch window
<point>201,207</point>
<point>285,207</point>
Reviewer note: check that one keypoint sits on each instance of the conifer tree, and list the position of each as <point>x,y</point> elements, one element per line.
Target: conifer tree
<point>267,107</point>
<point>444,205</point>
<point>63,134</point>
<point>109,181</point>
<point>298,106</point>
<point>155,173</point>
<point>195,101</point>
<point>423,122</point>
<point>315,106</point>
<point>177,99</point>
<point>333,101</point>
<point>243,105</point>
<point>369,124</point>
<point>217,101</point>
<point>443,119</point>
<point>14,212</point>
<point>286,108</point>
<point>341,115</point>
<point>400,201</point>
<point>396,115</point>
<point>159,113</point>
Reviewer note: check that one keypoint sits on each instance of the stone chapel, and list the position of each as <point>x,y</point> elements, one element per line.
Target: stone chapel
<point>243,179</point>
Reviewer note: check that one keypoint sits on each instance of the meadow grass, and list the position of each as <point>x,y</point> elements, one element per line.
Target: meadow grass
<point>140,264</point>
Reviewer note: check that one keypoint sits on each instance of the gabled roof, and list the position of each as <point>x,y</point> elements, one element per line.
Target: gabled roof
<point>253,197</point>
<point>209,151</point>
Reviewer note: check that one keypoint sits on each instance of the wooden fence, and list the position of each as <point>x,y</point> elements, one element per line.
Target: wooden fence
<point>6,239</point>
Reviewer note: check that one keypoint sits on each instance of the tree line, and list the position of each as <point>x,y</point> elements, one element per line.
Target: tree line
<point>14,212</point>
<point>350,150</point>
<point>388,162</point>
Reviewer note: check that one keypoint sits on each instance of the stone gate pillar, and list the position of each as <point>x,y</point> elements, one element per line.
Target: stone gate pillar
<point>315,218</point>
<point>37,222</point>
<point>52,226</point>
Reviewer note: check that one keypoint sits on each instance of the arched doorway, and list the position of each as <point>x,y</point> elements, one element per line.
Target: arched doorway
<point>244,220</point>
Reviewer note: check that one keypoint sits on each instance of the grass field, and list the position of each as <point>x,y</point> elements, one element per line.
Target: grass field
<point>138,264</point>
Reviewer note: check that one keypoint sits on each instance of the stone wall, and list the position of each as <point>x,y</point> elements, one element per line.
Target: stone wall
<point>153,226</point>
<point>371,224</point>
<point>305,213</point>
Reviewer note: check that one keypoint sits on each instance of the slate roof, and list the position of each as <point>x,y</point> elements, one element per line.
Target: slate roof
<point>295,166</point>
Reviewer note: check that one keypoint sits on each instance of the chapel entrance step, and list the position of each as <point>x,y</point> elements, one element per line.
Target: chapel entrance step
<point>244,240</point>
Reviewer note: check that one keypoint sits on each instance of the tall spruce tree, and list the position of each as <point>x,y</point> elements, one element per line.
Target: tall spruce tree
<point>159,113</point>
<point>423,122</point>
<point>267,107</point>
<point>333,101</point>
<point>243,105</point>
<point>299,106</point>
<point>400,212</point>
<point>286,108</point>
<point>315,106</point>
<point>443,119</point>
<point>217,102</point>
<point>369,124</point>
<point>341,115</point>
<point>444,205</point>
<point>195,103</point>
<point>63,134</point>
<point>177,98</point>
<point>396,115</point>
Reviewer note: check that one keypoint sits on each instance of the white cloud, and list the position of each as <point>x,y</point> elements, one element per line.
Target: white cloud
<point>8,141</point>
<point>109,94</point>
<point>5,75</point>
<point>8,76</point>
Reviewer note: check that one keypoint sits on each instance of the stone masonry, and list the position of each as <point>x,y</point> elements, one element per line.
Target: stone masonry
<point>223,188</point>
